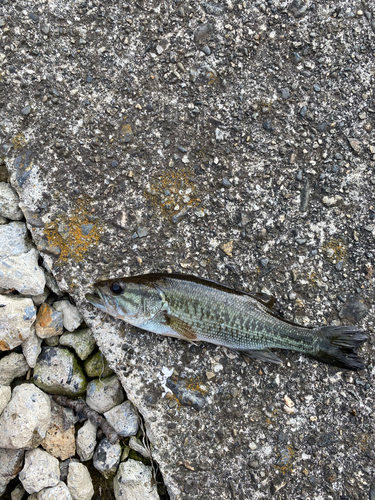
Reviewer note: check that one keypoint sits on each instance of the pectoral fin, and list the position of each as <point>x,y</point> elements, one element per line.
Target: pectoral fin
<point>180,327</point>
<point>262,355</point>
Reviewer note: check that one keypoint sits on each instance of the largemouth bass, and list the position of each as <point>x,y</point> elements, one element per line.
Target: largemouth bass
<point>196,309</point>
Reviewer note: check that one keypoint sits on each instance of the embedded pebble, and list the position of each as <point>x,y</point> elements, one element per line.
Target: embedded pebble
<point>31,348</point>
<point>71,316</point>
<point>12,366</point>
<point>107,457</point>
<point>17,316</point>
<point>332,200</point>
<point>58,372</point>
<point>134,481</point>
<point>79,482</point>
<point>86,441</point>
<point>9,201</point>
<point>5,396</point>
<point>103,394</point>
<point>124,419</point>
<point>82,341</point>
<point>40,471</point>
<point>49,322</point>
<point>58,492</point>
<point>26,418</point>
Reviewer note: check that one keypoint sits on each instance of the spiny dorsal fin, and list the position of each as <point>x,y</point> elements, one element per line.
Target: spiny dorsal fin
<point>265,299</point>
<point>180,327</point>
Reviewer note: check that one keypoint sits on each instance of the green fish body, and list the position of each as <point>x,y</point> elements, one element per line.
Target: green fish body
<point>195,309</point>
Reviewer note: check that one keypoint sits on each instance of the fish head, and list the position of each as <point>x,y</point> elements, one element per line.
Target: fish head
<point>126,299</point>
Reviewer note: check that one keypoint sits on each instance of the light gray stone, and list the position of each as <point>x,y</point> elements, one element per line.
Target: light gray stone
<point>10,464</point>
<point>9,202</point>
<point>57,371</point>
<point>86,441</point>
<point>31,348</point>
<point>58,492</point>
<point>13,239</point>
<point>41,470</point>
<point>26,418</point>
<point>82,341</point>
<point>23,273</point>
<point>107,457</point>
<point>124,419</point>
<point>133,481</point>
<point>12,365</point>
<point>104,394</point>
<point>71,316</point>
<point>79,482</point>
<point>5,396</point>
<point>39,299</point>
<point>17,317</point>
<point>19,266</point>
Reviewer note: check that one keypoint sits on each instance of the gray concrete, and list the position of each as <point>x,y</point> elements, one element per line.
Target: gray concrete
<point>229,140</point>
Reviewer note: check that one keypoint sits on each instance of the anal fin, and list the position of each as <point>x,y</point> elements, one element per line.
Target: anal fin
<point>261,355</point>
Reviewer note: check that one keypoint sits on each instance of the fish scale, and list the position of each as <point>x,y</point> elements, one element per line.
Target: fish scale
<point>196,309</point>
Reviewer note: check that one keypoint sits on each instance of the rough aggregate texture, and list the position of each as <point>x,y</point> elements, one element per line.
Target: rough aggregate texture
<point>230,140</point>
<point>41,470</point>
<point>26,418</point>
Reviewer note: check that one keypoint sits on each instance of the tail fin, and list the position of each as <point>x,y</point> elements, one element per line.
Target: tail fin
<point>338,346</point>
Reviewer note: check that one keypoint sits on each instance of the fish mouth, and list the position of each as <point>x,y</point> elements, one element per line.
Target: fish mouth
<point>95,300</point>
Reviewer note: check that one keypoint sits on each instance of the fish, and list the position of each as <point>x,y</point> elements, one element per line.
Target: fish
<point>200,310</point>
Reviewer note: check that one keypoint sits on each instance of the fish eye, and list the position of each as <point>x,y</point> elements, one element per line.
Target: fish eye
<point>117,288</point>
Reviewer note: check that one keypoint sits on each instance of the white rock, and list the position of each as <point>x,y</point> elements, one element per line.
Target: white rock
<point>10,464</point>
<point>79,482</point>
<point>5,396</point>
<point>103,394</point>
<point>86,441</point>
<point>13,239</point>
<point>31,348</point>
<point>12,366</point>
<point>71,316</point>
<point>23,273</point>
<point>333,200</point>
<point>107,457</point>
<point>26,419</point>
<point>41,470</point>
<point>124,419</point>
<point>9,202</point>
<point>58,492</point>
<point>133,481</point>
<point>17,317</point>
